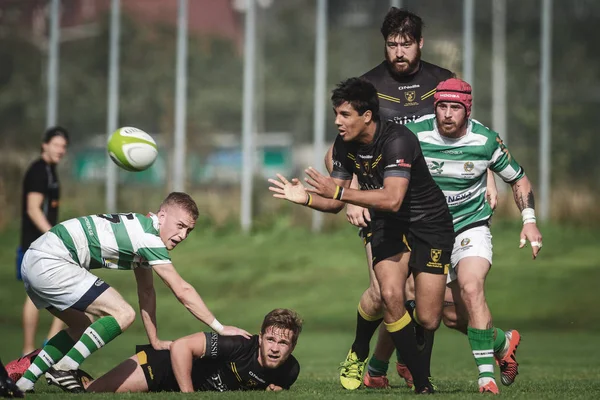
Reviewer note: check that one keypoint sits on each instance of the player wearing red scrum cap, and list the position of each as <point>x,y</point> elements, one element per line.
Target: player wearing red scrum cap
<point>459,151</point>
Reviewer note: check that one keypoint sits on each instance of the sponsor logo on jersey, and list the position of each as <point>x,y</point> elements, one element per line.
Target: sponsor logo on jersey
<point>408,87</point>
<point>365,156</point>
<point>98,282</point>
<point>214,342</point>
<point>458,198</point>
<point>453,152</point>
<point>337,163</point>
<point>252,374</point>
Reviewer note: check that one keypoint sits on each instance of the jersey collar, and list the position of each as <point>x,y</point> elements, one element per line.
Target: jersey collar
<point>154,219</point>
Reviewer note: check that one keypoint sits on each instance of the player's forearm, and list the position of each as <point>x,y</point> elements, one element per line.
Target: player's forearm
<point>322,204</point>
<point>147,301</point>
<point>379,199</point>
<point>39,219</point>
<point>189,297</point>
<point>523,194</point>
<point>181,361</point>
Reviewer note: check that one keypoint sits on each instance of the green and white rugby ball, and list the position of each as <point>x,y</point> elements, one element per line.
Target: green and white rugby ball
<point>132,149</point>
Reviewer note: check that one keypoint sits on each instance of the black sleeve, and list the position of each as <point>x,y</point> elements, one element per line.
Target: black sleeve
<point>289,374</point>
<point>342,161</point>
<point>228,347</point>
<point>36,179</point>
<point>399,153</point>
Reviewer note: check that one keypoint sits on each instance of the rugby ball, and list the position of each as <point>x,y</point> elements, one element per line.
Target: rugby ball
<point>132,149</point>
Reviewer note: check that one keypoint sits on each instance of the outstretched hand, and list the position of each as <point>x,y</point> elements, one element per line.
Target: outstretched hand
<point>293,191</point>
<point>531,233</point>
<point>322,185</point>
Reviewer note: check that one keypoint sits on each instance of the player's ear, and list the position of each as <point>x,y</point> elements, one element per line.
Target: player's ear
<point>421,43</point>
<point>368,116</point>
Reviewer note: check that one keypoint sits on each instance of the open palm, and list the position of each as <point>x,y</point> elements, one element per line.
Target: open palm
<point>292,191</point>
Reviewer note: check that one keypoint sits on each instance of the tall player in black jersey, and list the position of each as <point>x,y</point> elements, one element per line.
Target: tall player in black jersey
<point>408,210</point>
<point>206,361</point>
<point>405,85</point>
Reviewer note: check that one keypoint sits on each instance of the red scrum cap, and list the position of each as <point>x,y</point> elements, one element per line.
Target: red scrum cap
<point>454,90</point>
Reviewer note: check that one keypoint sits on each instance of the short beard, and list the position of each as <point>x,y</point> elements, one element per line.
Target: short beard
<point>412,67</point>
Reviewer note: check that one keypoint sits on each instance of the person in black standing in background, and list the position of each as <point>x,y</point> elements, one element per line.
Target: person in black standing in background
<point>40,200</point>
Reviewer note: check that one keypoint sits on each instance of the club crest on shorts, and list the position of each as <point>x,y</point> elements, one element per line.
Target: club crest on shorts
<point>435,255</point>
<point>465,242</point>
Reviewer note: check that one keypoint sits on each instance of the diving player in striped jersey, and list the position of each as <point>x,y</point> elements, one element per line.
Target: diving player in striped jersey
<point>56,273</point>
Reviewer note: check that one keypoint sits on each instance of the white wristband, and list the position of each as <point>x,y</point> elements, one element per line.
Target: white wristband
<point>528,215</point>
<point>216,326</point>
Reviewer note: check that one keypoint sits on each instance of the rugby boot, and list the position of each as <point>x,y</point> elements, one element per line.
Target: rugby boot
<point>405,374</point>
<point>376,382</point>
<point>507,361</point>
<point>351,371</point>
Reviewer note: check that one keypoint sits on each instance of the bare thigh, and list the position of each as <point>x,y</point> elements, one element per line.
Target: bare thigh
<point>76,321</point>
<point>125,377</point>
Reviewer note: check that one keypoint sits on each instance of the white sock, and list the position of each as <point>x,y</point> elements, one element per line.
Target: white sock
<point>66,364</point>
<point>25,384</point>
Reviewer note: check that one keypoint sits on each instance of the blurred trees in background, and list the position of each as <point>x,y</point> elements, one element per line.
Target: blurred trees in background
<point>285,75</point>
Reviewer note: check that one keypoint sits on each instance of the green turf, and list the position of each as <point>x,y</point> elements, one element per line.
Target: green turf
<point>552,301</point>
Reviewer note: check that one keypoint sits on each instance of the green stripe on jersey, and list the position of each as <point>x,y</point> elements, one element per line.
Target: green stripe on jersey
<point>64,235</point>
<point>147,224</point>
<point>451,153</point>
<point>89,228</point>
<point>154,254</point>
<point>124,243</point>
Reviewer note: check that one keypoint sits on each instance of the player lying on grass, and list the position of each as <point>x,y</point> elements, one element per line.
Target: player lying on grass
<point>56,275</point>
<point>206,361</point>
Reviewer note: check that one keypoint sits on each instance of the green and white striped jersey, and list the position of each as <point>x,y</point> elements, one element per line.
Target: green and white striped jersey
<point>459,167</point>
<point>115,241</point>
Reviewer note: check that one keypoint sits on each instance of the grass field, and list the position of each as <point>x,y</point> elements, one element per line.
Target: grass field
<point>553,301</point>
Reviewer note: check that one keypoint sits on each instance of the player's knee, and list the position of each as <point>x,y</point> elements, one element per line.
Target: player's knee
<point>391,296</point>
<point>431,323</point>
<point>450,318</point>
<point>471,292</point>
<point>373,294</point>
<point>125,317</point>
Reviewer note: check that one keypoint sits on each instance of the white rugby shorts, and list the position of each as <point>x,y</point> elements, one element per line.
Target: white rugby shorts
<point>50,276</point>
<point>474,242</point>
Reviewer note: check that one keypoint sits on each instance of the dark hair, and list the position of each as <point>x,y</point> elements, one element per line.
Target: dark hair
<point>283,318</point>
<point>360,93</point>
<point>182,200</point>
<point>402,22</point>
<point>55,131</point>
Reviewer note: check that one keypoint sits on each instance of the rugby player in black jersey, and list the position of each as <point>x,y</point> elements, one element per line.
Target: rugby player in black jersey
<point>405,85</point>
<point>206,361</point>
<point>408,210</point>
